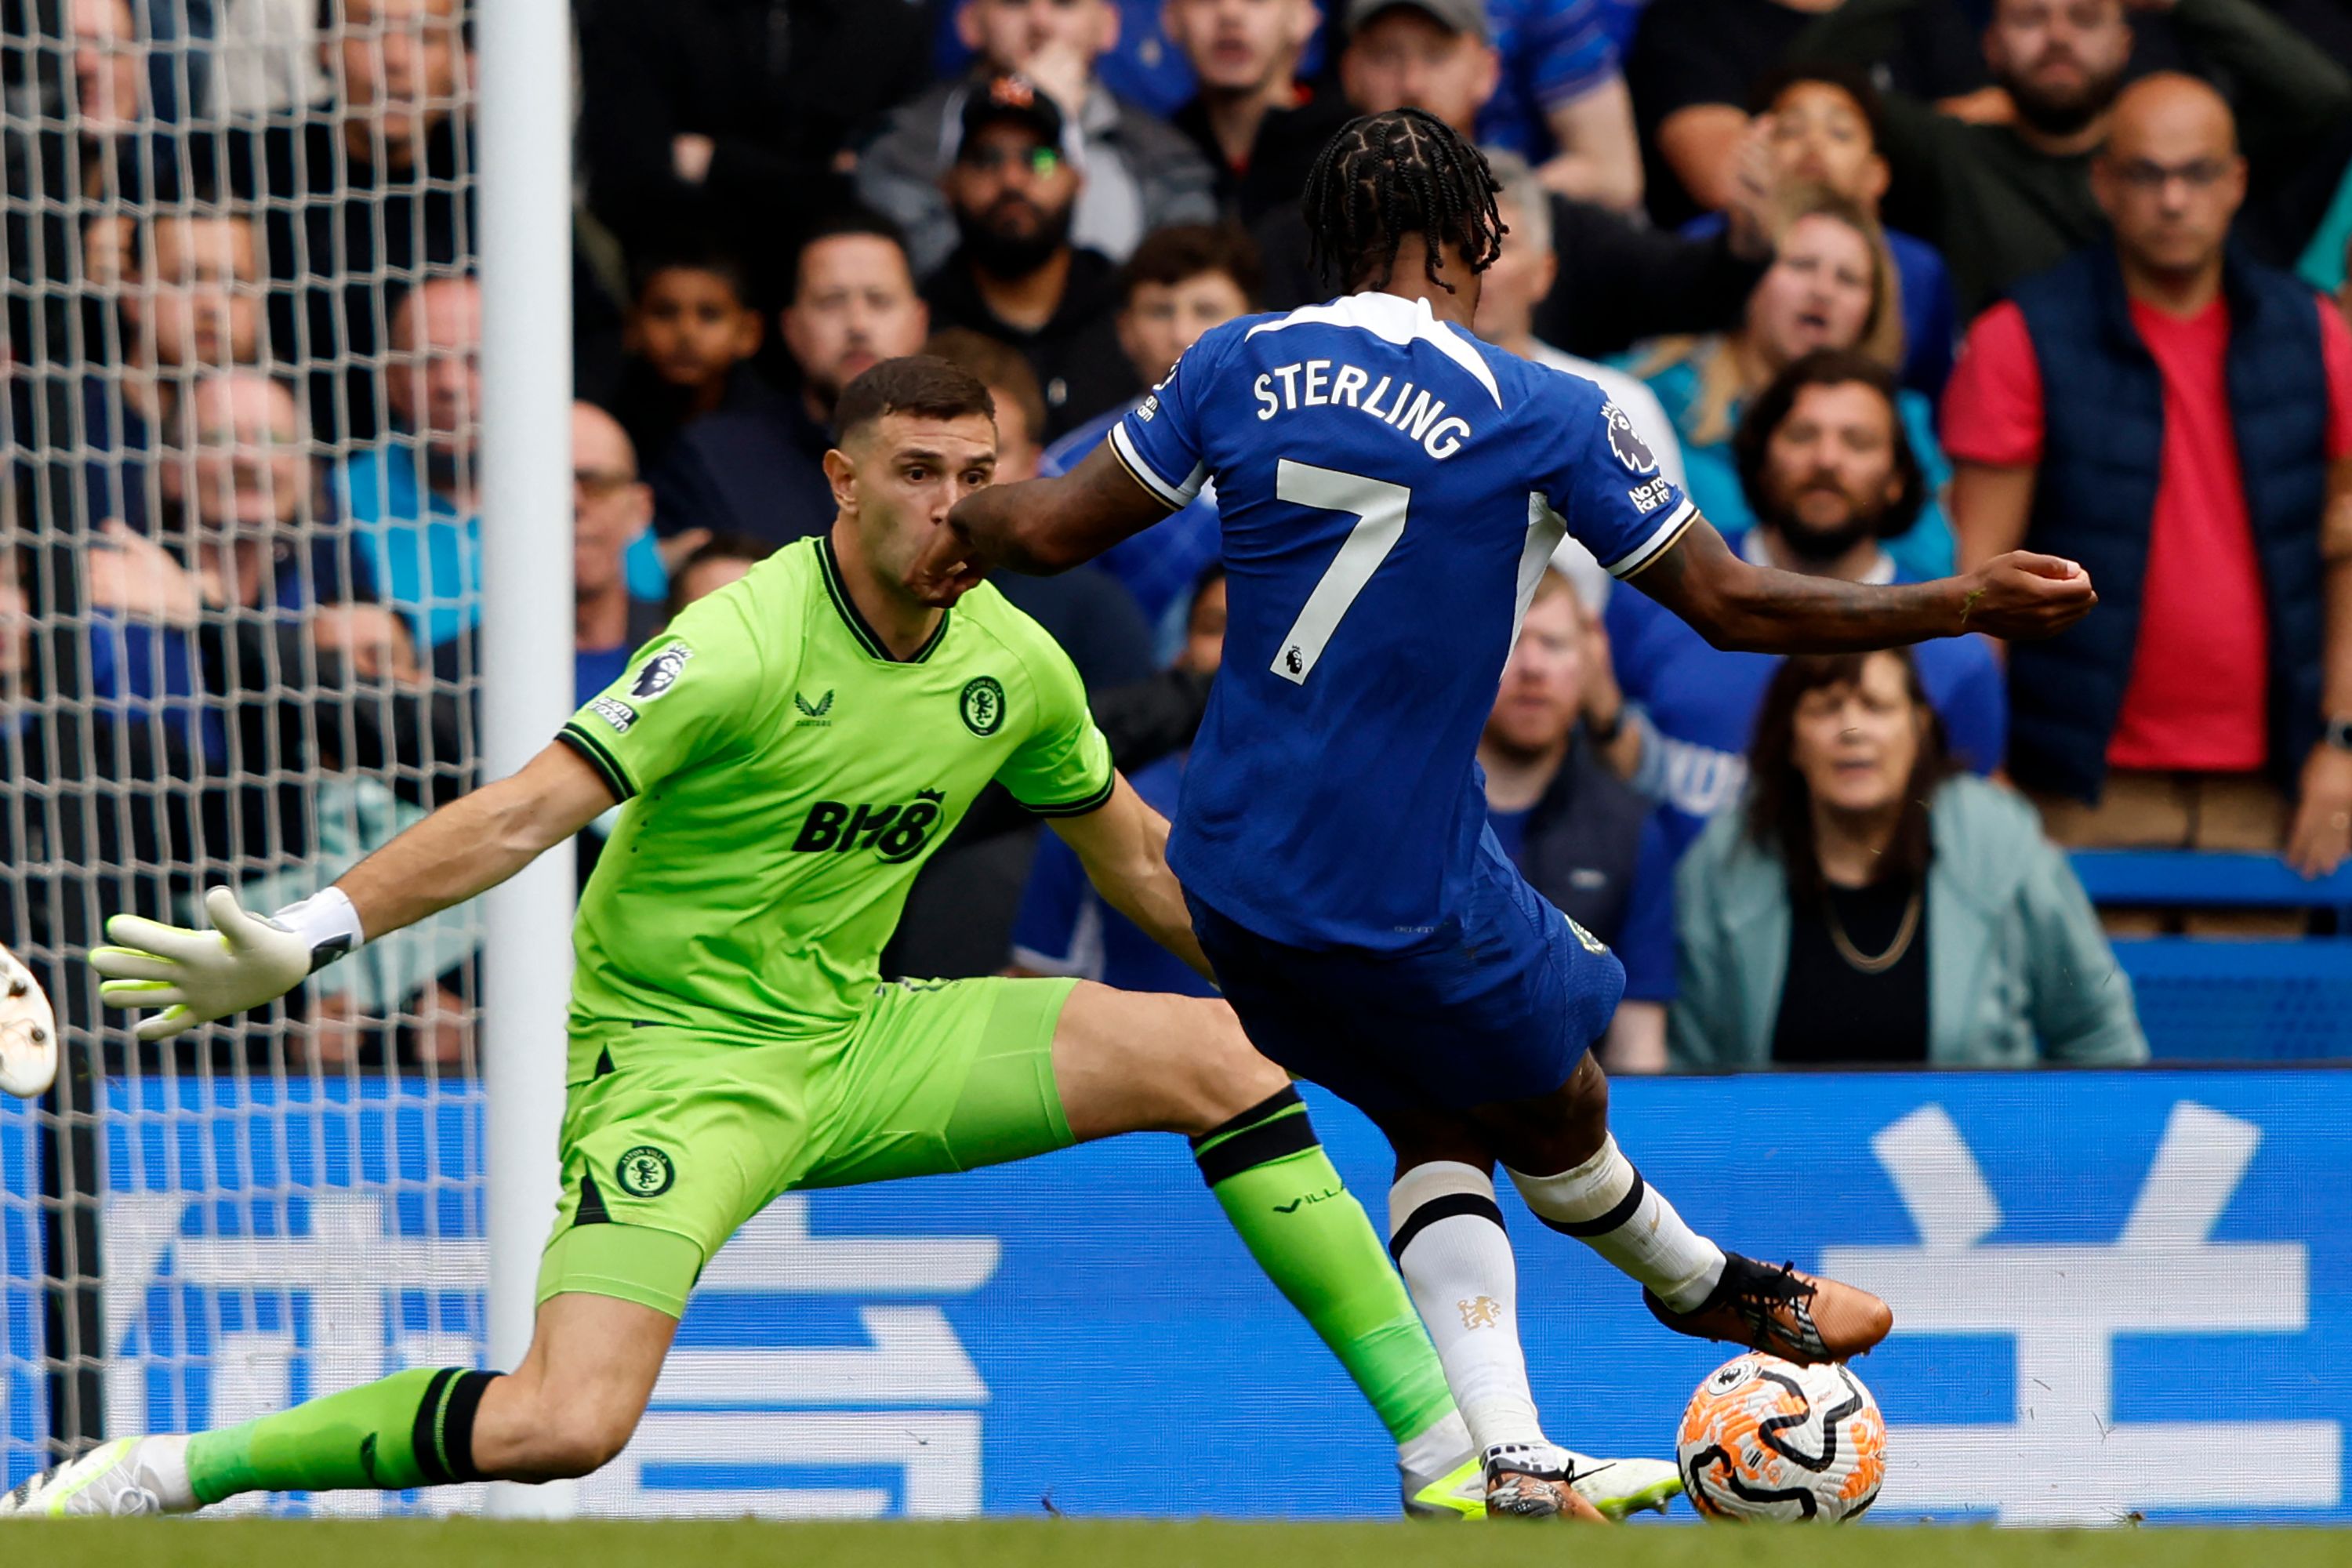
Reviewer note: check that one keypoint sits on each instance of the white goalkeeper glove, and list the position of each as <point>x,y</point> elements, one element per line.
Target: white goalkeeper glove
<point>245,961</point>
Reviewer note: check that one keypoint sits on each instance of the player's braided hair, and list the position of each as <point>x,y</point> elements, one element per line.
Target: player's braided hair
<point>1385,178</point>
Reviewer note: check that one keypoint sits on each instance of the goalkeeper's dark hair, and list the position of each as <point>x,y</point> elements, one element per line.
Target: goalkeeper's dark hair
<point>917,384</point>
<point>1385,178</point>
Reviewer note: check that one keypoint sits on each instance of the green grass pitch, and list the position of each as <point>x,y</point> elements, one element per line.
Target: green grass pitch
<point>1071,1544</point>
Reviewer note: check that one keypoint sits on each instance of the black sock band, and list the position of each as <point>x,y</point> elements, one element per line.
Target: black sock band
<point>1273,1104</point>
<point>1275,1127</point>
<point>443,1437</point>
<point>1445,1206</point>
<point>458,1424</point>
<point>1618,1214</point>
<point>424,1435</point>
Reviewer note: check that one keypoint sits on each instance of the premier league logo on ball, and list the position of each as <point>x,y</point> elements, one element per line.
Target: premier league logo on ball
<point>1629,448</point>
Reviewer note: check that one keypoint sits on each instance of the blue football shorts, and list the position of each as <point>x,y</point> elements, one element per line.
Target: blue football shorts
<point>1498,1002</point>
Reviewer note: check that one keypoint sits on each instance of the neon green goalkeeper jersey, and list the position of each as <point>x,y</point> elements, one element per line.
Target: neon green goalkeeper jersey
<point>785,779</point>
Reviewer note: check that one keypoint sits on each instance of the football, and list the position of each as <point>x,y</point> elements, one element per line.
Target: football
<point>1766,1438</point>
<point>28,1032</point>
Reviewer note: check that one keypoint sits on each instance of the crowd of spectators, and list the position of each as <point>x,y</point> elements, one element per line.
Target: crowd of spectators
<point>1889,286</point>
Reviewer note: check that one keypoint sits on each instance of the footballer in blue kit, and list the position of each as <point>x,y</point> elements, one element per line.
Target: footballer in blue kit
<point>1390,490</point>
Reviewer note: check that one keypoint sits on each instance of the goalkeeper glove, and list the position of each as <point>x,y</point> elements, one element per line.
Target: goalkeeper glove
<point>245,961</point>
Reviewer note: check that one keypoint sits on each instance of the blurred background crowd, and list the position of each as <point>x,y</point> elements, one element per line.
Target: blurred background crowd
<point>1891,285</point>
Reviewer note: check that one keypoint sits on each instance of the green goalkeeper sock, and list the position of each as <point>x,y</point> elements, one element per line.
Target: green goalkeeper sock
<point>1310,1235</point>
<point>412,1429</point>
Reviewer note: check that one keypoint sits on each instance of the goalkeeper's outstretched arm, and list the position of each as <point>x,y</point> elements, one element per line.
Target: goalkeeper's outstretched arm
<point>476,842</point>
<point>460,851</point>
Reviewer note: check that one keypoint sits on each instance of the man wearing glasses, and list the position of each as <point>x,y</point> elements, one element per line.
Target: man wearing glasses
<point>2005,192</point>
<point>2177,418</point>
<point>1016,275</point>
<point>610,507</point>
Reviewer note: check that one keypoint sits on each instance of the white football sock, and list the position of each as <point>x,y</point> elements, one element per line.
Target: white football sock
<point>1446,1235</point>
<point>1438,1451</point>
<point>1604,1204</point>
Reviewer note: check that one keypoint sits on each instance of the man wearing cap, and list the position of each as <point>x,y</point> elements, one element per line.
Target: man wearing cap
<point>1016,275</point>
<point>1139,174</point>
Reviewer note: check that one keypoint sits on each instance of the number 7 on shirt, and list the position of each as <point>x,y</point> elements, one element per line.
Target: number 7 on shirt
<point>1379,508</point>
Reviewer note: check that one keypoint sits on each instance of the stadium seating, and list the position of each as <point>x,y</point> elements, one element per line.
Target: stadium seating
<point>2204,999</point>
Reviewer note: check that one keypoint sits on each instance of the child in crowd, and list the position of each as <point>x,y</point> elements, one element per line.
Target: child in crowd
<point>692,332</point>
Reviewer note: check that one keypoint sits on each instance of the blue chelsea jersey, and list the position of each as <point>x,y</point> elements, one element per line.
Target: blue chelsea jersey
<point>1390,490</point>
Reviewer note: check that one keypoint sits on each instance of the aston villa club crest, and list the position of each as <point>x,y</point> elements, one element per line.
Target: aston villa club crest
<point>982,705</point>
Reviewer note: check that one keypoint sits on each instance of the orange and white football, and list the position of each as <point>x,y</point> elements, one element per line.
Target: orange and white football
<point>1766,1438</point>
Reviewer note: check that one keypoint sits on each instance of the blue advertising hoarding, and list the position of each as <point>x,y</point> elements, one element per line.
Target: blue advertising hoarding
<point>24,1402</point>
<point>2115,1293</point>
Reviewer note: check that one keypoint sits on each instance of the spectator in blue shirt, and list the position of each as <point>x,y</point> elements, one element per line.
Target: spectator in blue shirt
<point>1831,285</point>
<point>411,497</point>
<point>1064,926</point>
<point>1561,102</point>
<point>238,506</point>
<point>1146,65</point>
<point>1180,282</point>
<point>1831,473</point>
<point>191,291</point>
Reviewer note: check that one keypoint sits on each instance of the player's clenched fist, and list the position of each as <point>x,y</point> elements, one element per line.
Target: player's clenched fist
<point>196,976</point>
<point>2026,596</point>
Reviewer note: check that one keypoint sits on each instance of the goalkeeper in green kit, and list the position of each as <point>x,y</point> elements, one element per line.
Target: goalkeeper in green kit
<point>787,758</point>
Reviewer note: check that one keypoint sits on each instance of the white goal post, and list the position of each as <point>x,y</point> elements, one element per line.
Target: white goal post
<point>526,120</point>
<point>263,601</point>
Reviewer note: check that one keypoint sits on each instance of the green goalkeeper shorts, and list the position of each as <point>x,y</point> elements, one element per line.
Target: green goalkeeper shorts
<point>673,1140</point>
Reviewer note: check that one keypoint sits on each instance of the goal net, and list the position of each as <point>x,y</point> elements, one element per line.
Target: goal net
<point>238,615</point>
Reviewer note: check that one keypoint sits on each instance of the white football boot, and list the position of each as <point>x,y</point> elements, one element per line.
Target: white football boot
<point>1616,1487</point>
<point>1622,1486</point>
<point>123,1479</point>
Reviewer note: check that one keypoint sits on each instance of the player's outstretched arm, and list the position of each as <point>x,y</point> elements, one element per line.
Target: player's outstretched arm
<point>1124,847</point>
<point>1038,527</point>
<point>1738,605</point>
<point>466,848</point>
